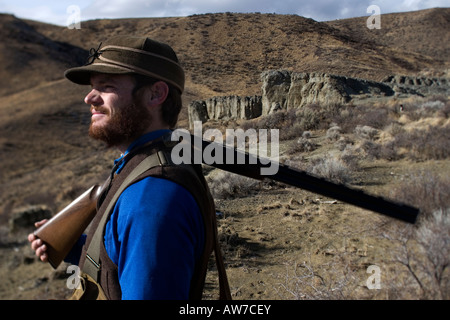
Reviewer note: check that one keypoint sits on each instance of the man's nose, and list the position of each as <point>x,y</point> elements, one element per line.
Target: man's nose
<point>93,98</point>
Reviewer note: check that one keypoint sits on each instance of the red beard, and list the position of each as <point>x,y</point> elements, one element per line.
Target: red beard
<point>126,125</point>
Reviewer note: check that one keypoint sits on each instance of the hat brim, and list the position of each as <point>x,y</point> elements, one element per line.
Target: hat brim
<point>82,75</point>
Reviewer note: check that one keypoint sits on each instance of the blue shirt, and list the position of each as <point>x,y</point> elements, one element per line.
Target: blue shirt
<point>154,235</point>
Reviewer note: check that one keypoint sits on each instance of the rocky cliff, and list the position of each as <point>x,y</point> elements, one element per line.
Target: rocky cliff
<point>284,90</point>
<point>225,108</point>
<point>423,86</point>
<point>287,90</point>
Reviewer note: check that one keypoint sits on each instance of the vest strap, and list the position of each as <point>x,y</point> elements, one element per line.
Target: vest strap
<point>92,266</point>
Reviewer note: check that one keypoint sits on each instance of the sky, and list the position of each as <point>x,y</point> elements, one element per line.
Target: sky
<point>66,12</point>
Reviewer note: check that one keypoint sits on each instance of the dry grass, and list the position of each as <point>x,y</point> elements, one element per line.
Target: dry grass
<point>426,190</point>
<point>423,253</point>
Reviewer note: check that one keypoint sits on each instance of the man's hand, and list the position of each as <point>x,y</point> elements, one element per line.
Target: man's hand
<point>37,244</point>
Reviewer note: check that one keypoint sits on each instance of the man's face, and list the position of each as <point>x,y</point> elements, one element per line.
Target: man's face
<point>117,117</point>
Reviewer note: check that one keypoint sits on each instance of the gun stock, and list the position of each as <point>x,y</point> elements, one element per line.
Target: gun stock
<point>62,231</point>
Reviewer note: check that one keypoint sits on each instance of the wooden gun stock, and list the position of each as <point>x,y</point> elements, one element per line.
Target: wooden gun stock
<point>62,231</point>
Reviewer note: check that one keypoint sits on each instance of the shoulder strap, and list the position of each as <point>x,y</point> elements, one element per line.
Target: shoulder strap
<point>92,267</point>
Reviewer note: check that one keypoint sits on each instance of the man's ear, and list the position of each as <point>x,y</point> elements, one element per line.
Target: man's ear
<point>158,93</point>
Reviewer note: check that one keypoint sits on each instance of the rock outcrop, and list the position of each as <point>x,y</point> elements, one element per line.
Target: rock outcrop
<point>225,108</point>
<point>284,90</point>
<point>422,86</point>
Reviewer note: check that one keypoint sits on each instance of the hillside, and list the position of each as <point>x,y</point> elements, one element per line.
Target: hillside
<point>416,33</point>
<point>222,53</point>
<point>47,159</point>
<point>28,58</point>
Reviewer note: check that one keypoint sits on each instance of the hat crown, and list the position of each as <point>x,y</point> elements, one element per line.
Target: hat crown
<point>144,44</point>
<point>131,54</point>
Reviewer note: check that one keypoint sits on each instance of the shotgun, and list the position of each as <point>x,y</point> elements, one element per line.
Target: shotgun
<point>62,231</point>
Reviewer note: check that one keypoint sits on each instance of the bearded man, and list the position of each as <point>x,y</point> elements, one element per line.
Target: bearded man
<point>151,237</point>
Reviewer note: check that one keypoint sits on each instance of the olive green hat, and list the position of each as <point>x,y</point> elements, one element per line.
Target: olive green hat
<point>128,55</point>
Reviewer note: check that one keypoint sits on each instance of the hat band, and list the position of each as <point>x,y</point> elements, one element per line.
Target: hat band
<point>139,51</point>
<point>127,67</point>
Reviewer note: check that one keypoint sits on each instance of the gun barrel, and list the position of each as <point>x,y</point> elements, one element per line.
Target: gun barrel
<point>297,178</point>
<point>343,193</point>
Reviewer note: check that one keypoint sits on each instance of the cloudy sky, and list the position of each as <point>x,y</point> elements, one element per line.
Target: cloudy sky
<point>63,12</point>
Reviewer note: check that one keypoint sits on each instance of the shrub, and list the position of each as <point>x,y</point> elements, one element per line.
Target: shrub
<point>424,252</point>
<point>301,145</point>
<point>434,105</point>
<point>371,149</point>
<point>388,151</point>
<point>377,118</point>
<point>272,121</point>
<point>366,132</point>
<point>331,168</point>
<point>350,158</point>
<point>432,143</point>
<point>394,129</point>
<point>293,122</point>
<point>225,185</point>
<point>433,233</point>
<point>429,144</point>
<point>306,134</point>
<point>343,143</point>
<point>334,133</point>
<point>291,131</point>
<point>425,190</point>
<point>346,119</point>
<point>306,281</point>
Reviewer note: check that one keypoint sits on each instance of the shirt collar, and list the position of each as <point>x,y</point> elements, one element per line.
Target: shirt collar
<point>139,142</point>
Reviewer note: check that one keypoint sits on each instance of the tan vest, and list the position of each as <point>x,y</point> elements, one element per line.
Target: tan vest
<point>188,176</point>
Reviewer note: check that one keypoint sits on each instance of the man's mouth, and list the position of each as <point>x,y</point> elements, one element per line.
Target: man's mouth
<point>96,113</point>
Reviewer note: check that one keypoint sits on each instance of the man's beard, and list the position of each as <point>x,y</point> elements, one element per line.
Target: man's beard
<point>126,125</point>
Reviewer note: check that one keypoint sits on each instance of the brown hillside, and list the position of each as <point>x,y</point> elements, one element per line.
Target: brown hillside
<point>419,32</point>
<point>223,54</point>
<point>28,58</point>
<point>47,159</point>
